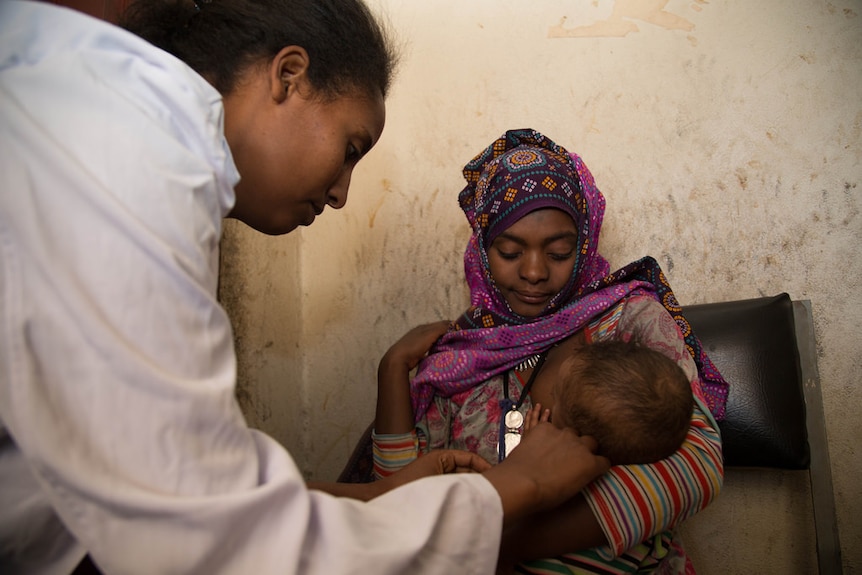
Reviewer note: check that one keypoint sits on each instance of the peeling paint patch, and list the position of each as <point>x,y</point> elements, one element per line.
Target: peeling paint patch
<point>668,262</point>
<point>621,21</point>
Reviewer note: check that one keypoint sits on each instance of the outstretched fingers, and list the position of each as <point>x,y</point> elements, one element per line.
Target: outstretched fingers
<point>535,415</point>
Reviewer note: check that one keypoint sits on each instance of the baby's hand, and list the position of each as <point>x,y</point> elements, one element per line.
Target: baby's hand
<point>536,415</point>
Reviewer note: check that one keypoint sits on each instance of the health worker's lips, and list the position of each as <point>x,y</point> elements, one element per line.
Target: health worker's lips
<point>316,211</point>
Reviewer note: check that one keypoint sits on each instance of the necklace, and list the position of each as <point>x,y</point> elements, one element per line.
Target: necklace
<point>528,363</point>
<point>512,419</point>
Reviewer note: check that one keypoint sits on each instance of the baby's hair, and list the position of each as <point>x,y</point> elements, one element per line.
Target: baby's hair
<point>347,47</point>
<point>635,401</point>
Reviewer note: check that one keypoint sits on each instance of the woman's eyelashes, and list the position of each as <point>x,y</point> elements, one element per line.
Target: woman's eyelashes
<point>562,256</point>
<point>352,155</point>
<point>508,255</point>
<point>556,256</point>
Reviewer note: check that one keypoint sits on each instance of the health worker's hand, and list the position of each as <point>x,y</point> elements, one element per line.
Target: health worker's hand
<point>436,462</point>
<point>548,467</point>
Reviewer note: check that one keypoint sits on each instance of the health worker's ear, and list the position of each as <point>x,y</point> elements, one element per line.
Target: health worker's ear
<point>288,73</point>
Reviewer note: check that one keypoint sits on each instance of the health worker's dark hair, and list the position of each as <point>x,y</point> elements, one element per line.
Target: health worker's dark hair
<point>347,46</point>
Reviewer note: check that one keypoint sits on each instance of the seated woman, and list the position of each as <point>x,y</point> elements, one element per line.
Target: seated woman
<point>536,279</point>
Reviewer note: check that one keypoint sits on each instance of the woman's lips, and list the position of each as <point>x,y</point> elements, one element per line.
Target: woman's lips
<point>532,298</point>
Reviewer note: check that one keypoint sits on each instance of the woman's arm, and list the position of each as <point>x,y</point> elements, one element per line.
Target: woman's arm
<point>634,502</point>
<point>396,444</point>
<point>564,529</point>
<point>625,506</point>
<point>554,466</point>
<point>394,408</point>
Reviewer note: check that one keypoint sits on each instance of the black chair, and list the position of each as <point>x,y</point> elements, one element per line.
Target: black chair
<point>765,348</point>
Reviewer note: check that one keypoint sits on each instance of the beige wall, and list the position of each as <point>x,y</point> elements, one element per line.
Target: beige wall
<point>726,139</point>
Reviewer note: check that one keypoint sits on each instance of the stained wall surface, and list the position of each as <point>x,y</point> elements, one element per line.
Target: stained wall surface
<point>726,139</point>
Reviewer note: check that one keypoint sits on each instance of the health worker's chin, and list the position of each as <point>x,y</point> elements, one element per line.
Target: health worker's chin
<point>270,226</point>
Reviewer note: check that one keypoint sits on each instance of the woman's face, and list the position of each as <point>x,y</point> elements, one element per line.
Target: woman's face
<point>296,151</point>
<point>533,259</point>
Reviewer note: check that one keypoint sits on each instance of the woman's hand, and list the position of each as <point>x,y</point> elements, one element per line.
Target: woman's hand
<point>414,345</point>
<point>440,462</point>
<point>394,413</point>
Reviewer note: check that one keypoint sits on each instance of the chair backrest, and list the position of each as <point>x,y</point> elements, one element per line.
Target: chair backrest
<point>753,344</point>
<point>765,348</point>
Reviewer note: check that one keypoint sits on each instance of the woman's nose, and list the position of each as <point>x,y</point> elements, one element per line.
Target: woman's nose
<point>533,268</point>
<point>336,197</point>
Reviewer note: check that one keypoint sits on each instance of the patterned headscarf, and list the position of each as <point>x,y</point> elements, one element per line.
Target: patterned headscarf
<point>521,172</point>
<point>518,174</point>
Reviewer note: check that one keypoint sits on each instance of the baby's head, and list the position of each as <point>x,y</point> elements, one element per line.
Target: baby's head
<point>635,401</point>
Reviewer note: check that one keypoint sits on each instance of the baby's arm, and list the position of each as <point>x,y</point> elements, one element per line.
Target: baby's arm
<point>634,502</point>
<point>394,408</point>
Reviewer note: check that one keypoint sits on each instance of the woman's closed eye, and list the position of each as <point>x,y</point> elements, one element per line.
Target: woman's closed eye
<point>508,255</point>
<point>561,257</point>
<point>556,256</point>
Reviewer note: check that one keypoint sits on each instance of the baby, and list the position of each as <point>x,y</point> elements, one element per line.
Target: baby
<point>634,400</point>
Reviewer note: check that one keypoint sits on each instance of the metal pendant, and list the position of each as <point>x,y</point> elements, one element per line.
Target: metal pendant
<point>514,419</point>
<point>512,440</point>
